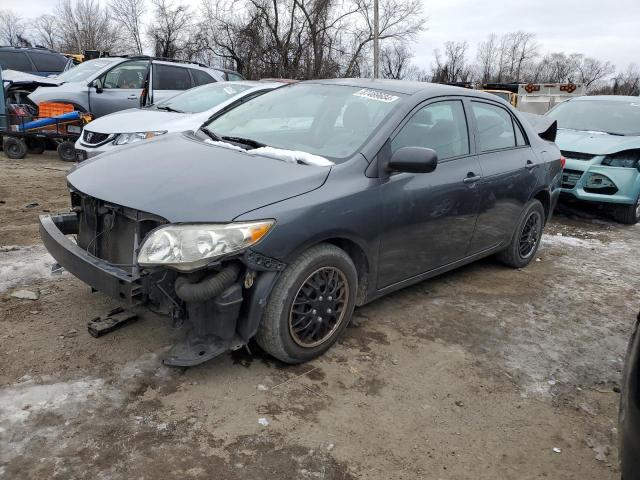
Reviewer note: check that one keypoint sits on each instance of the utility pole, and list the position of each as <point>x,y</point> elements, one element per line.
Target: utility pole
<point>376,40</point>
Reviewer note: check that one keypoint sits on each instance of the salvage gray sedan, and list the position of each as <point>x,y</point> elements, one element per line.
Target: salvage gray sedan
<point>277,218</point>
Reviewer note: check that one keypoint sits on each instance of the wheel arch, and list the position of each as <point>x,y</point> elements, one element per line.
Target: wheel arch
<point>544,197</point>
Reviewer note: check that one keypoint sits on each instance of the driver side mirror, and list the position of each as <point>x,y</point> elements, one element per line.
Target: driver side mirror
<point>97,84</point>
<point>413,160</point>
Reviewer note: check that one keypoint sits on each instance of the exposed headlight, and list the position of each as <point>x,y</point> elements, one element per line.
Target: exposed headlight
<point>624,159</point>
<point>190,246</point>
<point>125,138</point>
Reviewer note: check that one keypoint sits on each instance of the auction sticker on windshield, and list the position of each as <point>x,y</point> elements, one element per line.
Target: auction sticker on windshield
<point>376,95</point>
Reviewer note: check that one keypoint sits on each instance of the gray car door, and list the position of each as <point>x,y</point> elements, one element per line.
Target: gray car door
<point>508,166</point>
<point>119,88</point>
<point>429,218</point>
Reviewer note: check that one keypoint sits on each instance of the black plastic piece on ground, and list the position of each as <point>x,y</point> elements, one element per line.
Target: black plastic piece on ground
<point>104,324</point>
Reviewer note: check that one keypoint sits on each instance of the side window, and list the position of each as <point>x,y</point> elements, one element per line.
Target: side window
<point>48,62</point>
<point>520,140</point>
<point>234,76</point>
<point>166,77</point>
<point>495,127</point>
<point>200,77</point>
<point>15,61</point>
<point>440,126</point>
<point>129,75</point>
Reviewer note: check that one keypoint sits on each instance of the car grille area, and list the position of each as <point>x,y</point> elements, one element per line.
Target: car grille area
<point>111,232</point>
<point>570,178</point>
<point>95,138</point>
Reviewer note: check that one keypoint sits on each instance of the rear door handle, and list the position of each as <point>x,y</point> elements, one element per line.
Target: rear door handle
<point>529,165</point>
<point>132,97</point>
<point>471,178</point>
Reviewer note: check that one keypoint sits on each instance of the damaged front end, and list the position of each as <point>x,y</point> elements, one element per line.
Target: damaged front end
<point>204,277</point>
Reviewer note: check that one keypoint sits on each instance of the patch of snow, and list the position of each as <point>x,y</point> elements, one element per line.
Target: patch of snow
<point>561,240</point>
<point>24,399</point>
<point>263,421</point>
<point>230,146</point>
<point>21,266</point>
<point>292,156</point>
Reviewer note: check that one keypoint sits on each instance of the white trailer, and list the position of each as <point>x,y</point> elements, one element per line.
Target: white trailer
<point>539,98</point>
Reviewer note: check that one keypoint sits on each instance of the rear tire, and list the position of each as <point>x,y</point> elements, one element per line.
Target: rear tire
<point>526,237</point>
<point>629,214</point>
<point>310,305</point>
<point>14,148</point>
<point>67,151</point>
<point>36,146</point>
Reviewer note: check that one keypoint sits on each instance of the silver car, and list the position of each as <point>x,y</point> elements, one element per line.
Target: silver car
<point>107,85</point>
<point>185,111</point>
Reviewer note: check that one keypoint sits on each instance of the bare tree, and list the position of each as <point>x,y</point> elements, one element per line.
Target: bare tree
<point>129,14</point>
<point>452,67</point>
<point>302,38</point>
<point>627,83</point>
<point>171,28</point>
<point>85,25</point>
<point>400,20</point>
<point>45,31</point>
<point>487,58</point>
<point>396,63</point>
<point>592,71</point>
<point>12,29</point>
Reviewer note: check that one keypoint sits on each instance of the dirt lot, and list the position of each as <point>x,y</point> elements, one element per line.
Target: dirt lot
<point>478,374</point>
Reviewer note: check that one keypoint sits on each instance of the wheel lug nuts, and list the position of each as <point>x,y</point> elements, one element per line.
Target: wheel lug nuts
<point>330,298</point>
<point>314,311</point>
<point>320,298</point>
<point>328,310</point>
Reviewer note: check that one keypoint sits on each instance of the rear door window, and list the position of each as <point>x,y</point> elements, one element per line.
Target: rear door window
<point>15,61</point>
<point>200,77</point>
<point>166,77</point>
<point>495,127</point>
<point>48,62</point>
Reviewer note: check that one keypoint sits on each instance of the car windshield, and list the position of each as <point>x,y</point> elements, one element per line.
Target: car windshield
<point>202,98</point>
<point>332,121</point>
<point>84,71</point>
<point>610,116</point>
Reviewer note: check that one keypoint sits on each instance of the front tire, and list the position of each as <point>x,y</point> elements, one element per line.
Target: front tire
<point>526,237</point>
<point>310,306</point>
<point>629,214</point>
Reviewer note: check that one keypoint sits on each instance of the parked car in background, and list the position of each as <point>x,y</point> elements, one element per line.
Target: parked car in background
<point>36,61</point>
<point>600,138</point>
<point>630,410</point>
<point>185,111</point>
<point>279,216</point>
<point>110,84</point>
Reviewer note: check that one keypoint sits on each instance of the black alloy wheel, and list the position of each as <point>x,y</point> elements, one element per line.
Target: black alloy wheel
<point>318,309</point>
<point>530,235</point>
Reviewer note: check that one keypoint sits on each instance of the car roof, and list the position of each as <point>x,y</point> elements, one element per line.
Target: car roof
<point>405,87</point>
<point>30,49</point>
<point>612,98</point>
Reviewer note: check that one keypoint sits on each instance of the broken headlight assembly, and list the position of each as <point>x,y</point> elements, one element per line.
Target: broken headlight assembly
<point>127,138</point>
<point>188,247</point>
<point>597,183</point>
<point>624,159</point>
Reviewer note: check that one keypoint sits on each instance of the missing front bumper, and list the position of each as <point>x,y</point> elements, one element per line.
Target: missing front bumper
<point>95,272</point>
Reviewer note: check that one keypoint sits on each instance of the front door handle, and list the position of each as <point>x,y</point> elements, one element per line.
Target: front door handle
<point>132,97</point>
<point>529,165</point>
<point>471,178</point>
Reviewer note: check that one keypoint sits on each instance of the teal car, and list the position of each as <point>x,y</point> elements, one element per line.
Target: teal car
<point>600,138</point>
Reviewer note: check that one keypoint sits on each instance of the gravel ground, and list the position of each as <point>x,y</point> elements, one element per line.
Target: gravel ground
<point>478,374</point>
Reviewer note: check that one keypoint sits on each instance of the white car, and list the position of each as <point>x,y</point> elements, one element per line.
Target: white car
<point>185,111</point>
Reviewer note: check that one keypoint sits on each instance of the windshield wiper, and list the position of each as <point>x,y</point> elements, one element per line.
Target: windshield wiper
<point>167,108</point>
<point>210,134</point>
<point>245,141</point>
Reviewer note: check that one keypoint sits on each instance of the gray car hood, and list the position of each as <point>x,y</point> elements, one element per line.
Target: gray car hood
<point>183,179</point>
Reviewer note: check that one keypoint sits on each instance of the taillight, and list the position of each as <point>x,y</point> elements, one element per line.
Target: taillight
<point>563,161</point>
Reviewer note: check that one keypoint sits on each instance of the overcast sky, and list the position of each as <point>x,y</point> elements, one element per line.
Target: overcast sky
<point>605,30</point>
